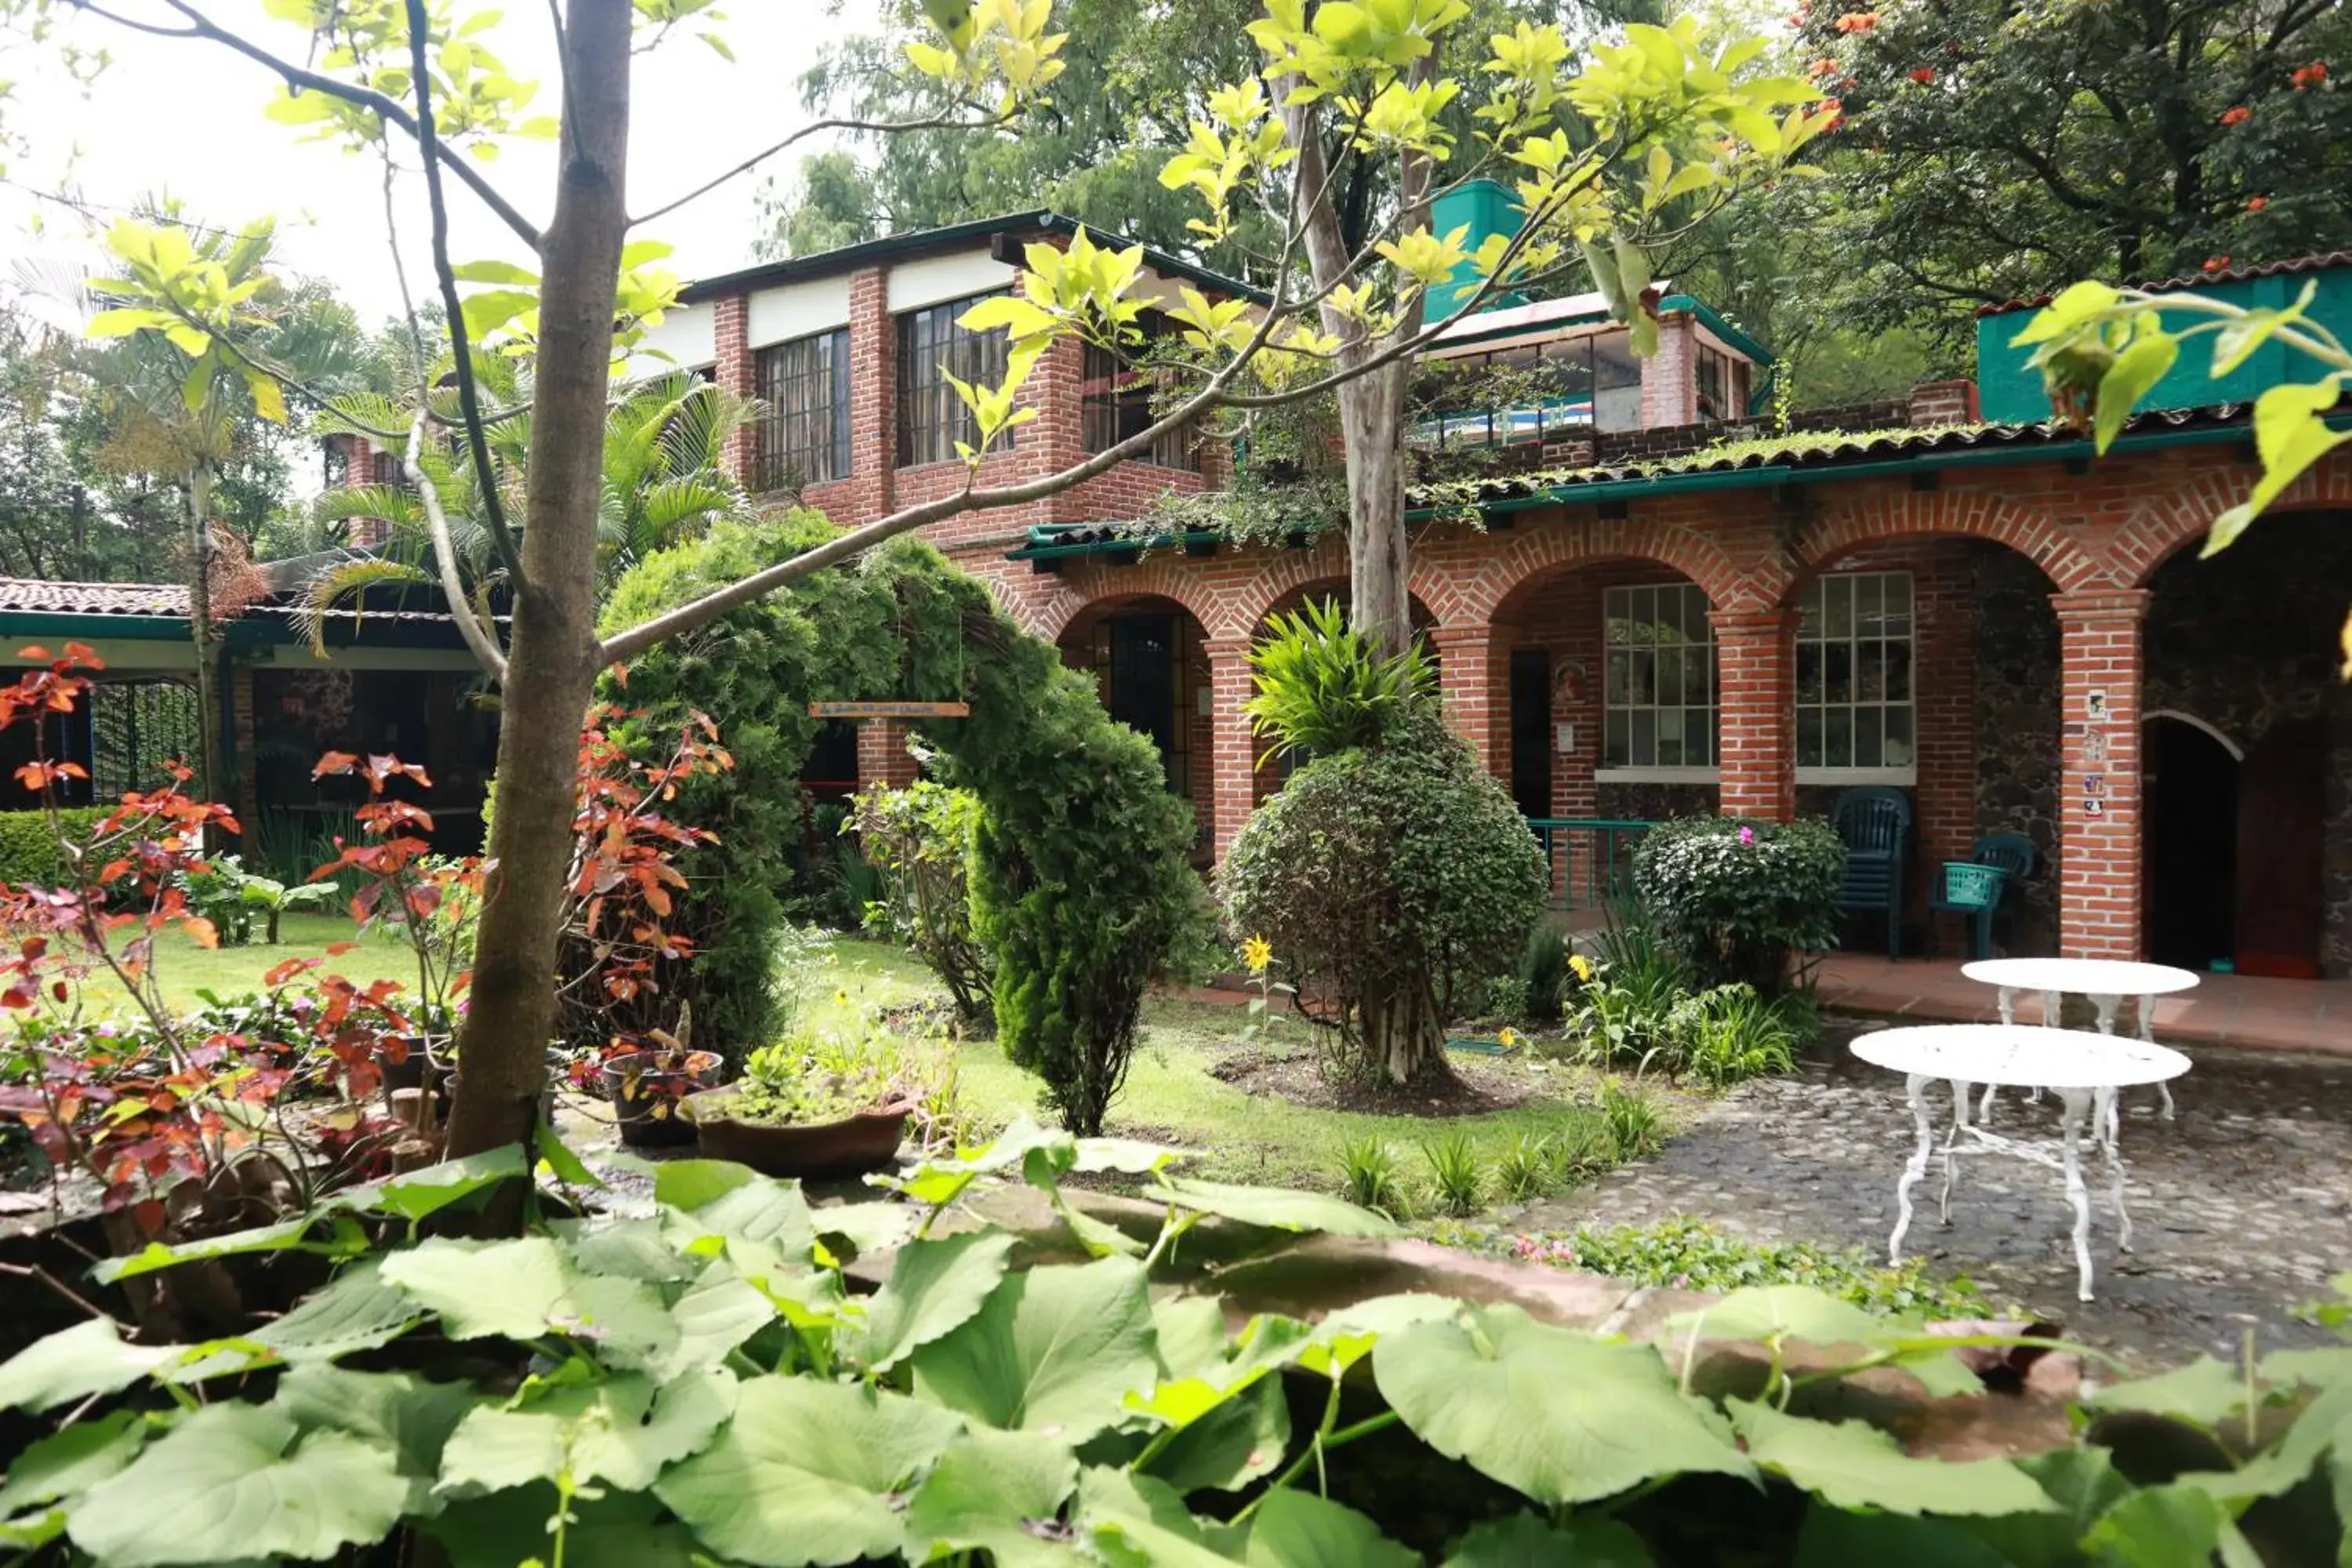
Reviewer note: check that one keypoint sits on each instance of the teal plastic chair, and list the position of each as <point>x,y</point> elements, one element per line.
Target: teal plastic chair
<point>1874,822</point>
<point>2010,853</point>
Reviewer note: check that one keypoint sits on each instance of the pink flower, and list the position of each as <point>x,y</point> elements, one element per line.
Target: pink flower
<point>1747,836</point>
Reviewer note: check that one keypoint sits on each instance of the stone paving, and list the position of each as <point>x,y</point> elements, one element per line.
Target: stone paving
<point>2241,1208</point>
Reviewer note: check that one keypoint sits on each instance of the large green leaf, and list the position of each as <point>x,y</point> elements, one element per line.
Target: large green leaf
<point>995,1493</point>
<point>615,1531</point>
<point>630,1249</point>
<point>237,1482</point>
<point>719,1312</point>
<point>942,1178</point>
<point>760,1209</point>
<point>1296,1530</point>
<point>690,1184</point>
<point>1564,1417</point>
<point>934,1285</point>
<point>74,1364</point>
<point>358,1309</point>
<point>1523,1541</point>
<point>2205,1392</point>
<point>420,1195</point>
<point>156,1256</point>
<point>522,1289</point>
<point>2162,1527</point>
<point>401,1411</point>
<point>806,1473</point>
<point>1240,1437</point>
<point>1849,1465</point>
<point>1137,1522</point>
<point>2083,1481</point>
<point>1774,1313</point>
<point>72,1461</point>
<point>624,1430</point>
<point>1278,1209</point>
<point>1052,1349</point>
<point>1832,1538</point>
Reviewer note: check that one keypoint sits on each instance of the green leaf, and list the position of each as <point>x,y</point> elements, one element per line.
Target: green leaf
<point>1136,1521</point>
<point>397,1410</point>
<point>420,1195</point>
<point>1563,1416</point>
<point>986,1492</point>
<point>494,272</point>
<point>2076,304</point>
<point>1294,1530</point>
<point>716,1313</point>
<point>758,1209</point>
<point>624,1430</point>
<point>805,1473</point>
<point>1773,1313</point>
<point>2082,1482</point>
<point>1523,1541</point>
<point>1849,1465</point>
<point>358,1309</point>
<point>482,1288</point>
<point>1050,1349</point>
<point>561,1162</point>
<point>2134,374</point>
<point>2159,1527</point>
<point>1275,1207</point>
<point>236,1482</point>
<point>1236,1441</point>
<point>2289,436</point>
<point>2203,1393</point>
<point>934,1285</point>
<point>74,1364</point>
<point>156,1256</point>
<point>690,1184</point>
<point>616,1530</point>
<point>73,1460</point>
<point>1832,1538</point>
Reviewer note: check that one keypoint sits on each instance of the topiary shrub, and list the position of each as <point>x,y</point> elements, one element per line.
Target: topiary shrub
<point>28,844</point>
<point>1736,899</point>
<point>1078,878</point>
<point>1389,876</point>
<point>921,839</point>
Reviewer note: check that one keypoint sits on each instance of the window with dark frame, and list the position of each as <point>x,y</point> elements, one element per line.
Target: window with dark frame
<point>931,347</point>
<point>1115,402</point>
<point>803,438</point>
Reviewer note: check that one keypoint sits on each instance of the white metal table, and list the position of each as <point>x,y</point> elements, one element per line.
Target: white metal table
<point>2083,1070</point>
<point>2106,981</point>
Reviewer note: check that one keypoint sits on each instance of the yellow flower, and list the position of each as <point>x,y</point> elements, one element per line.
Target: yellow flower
<point>1507,1039</point>
<point>1580,966</point>
<point>1257,953</point>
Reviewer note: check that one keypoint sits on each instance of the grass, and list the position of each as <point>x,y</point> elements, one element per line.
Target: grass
<point>186,969</point>
<point>1172,1096</point>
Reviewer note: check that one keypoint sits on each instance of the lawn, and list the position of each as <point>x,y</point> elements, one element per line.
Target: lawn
<point>187,971</point>
<point>1173,1097</point>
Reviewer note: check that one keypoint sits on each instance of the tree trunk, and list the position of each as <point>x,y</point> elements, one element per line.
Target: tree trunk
<point>1371,425</point>
<point>1404,1039</point>
<point>551,664</point>
<point>200,631</point>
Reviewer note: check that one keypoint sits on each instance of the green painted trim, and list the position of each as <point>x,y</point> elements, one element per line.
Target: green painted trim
<point>849,258</point>
<point>1715,323</point>
<point>1043,548</point>
<point>62,623</point>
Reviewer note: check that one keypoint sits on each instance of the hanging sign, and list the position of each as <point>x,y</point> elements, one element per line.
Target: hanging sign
<point>890,709</point>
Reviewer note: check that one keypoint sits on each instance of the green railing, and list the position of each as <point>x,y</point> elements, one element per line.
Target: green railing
<point>1589,858</point>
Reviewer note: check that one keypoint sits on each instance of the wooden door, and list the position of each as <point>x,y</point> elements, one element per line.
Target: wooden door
<point>2282,803</point>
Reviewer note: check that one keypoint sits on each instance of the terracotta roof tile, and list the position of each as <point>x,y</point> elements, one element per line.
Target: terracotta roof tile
<point>35,594</point>
<point>2293,264</point>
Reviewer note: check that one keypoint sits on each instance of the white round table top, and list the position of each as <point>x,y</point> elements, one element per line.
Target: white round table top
<point>2020,1055</point>
<point>2082,976</point>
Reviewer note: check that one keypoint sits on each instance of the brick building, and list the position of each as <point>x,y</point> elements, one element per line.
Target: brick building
<point>1663,605</point>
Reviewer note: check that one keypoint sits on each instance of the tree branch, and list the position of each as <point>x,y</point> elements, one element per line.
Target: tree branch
<point>486,473</point>
<point>305,81</point>
<point>882,127</point>
<point>480,640</point>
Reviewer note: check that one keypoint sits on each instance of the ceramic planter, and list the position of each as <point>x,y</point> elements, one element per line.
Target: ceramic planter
<point>646,1096</point>
<point>867,1141</point>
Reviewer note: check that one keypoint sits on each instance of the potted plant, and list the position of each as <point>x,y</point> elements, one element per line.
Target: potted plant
<point>812,1108</point>
<point>647,1086</point>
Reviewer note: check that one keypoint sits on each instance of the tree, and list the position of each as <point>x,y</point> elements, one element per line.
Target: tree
<point>1657,120</point>
<point>1990,152</point>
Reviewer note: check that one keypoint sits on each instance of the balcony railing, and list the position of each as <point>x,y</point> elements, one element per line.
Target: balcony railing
<point>1588,860</point>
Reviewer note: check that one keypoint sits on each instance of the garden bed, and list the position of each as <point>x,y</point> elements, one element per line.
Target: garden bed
<point>1477,1087</point>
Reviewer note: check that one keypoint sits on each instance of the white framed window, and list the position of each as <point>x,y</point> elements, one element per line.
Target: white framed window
<point>1857,715</point>
<point>1658,684</point>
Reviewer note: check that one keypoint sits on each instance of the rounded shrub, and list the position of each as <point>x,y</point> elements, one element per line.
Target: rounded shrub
<point>1736,899</point>
<point>1390,875</point>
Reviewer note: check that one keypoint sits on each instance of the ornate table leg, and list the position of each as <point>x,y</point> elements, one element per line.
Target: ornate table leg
<point>2008,1016</point>
<point>2077,1103</point>
<point>2103,1118</point>
<point>1914,1086</point>
<point>2147,1033</point>
<point>1951,1149</point>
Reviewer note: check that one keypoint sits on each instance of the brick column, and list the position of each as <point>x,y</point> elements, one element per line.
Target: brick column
<point>238,692</point>
<point>1670,376</point>
<point>730,318</point>
<point>882,754</point>
<point>873,393</point>
<point>1943,691</point>
<point>2102,659</point>
<point>1474,676</point>
<point>1233,750</point>
<point>1756,732</point>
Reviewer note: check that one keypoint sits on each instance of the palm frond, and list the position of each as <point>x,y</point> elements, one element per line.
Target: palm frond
<point>345,579</point>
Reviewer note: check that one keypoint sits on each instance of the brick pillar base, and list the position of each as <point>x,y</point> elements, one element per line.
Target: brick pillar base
<point>882,754</point>
<point>1232,750</point>
<point>2102,659</point>
<point>1474,676</point>
<point>1756,734</point>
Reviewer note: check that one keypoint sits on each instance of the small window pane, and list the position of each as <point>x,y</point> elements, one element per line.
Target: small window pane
<point>1659,682</point>
<point>1866,727</point>
<point>1809,737</point>
<point>1837,750</point>
<point>1853,675</point>
<point>932,346</point>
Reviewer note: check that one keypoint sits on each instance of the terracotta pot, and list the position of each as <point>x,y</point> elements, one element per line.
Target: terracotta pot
<point>820,1150</point>
<point>647,1097</point>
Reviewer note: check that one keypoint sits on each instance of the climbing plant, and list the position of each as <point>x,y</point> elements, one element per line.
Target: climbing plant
<point>1079,879</point>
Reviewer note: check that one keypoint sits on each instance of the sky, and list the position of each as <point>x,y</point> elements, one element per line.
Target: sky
<point>186,118</point>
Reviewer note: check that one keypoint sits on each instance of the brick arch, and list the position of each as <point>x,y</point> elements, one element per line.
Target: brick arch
<point>1158,576</point>
<point>1244,606</point>
<point>1542,550</point>
<point>2162,525</point>
<point>1979,514</point>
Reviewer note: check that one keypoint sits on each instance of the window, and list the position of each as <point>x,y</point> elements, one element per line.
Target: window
<point>931,417</point>
<point>1565,385</point>
<point>1855,702</point>
<point>137,729</point>
<point>803,434</point>
<point>1658,684</point>
<point>1115,403</point>
<point>1722,385</point>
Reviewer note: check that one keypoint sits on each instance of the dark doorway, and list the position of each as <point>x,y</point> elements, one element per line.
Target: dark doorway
<point>1531,731</point>
<point>2281,820</point>
<point>1143,682</point>
<point>2190,799</point>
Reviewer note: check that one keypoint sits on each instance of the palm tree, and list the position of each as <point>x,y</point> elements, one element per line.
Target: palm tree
<point>666,480</point>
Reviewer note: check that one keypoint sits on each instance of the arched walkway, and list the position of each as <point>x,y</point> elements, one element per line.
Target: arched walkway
<point>1892,516</point>
<point>1148,657</point>
<point>1542,551</point>
<point>1161,574</point>
<point>2164,524</point>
